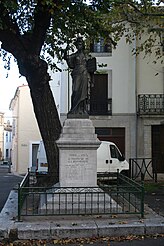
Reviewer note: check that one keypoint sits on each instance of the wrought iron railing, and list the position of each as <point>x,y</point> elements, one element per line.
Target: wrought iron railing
<point>99,108</point>
<point>142,168</point>
<point>151,104</point>
<point>124,197</point>
<point>25,184</point>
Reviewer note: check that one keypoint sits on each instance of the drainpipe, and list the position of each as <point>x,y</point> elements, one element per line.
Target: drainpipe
<point>68,90</point>
<point>136,99</point>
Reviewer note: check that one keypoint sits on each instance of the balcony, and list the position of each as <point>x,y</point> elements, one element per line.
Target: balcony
<point>100,108</point>
<point>151,104</point>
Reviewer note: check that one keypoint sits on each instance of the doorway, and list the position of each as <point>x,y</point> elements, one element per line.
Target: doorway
<point>158,147</point>
<point>34,156</point>
<point>99,95</point>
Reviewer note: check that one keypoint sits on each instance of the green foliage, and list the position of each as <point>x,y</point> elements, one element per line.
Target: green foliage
<point>64,20</point>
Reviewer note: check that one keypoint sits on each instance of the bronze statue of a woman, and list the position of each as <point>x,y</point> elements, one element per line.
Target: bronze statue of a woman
<point>82,69</point>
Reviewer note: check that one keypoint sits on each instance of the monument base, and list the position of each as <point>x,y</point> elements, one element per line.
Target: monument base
<point>78,146</point>
<point>77,191</point>
<point>77,201</point>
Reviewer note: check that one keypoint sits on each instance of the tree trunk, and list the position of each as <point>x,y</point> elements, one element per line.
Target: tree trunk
<point>26,49</point>
<point>35,71</point>
<point>49,125</point>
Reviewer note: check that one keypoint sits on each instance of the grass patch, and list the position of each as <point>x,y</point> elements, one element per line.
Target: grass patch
<point>153,187</point>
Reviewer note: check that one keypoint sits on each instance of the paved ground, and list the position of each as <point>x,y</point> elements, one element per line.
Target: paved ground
<point>7,182</point>
<point>72,227</point>
<point>154,197</point>
<point>84,227</point>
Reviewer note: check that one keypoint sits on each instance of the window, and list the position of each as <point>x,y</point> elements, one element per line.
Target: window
<point>14,127</point>
<point>101,47</point>
<point>6,137</point>
<point>7,153</point>
<point>114,152</point>
<point>99,103</point>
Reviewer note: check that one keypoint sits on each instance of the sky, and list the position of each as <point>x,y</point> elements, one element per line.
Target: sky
<point>8,86</point>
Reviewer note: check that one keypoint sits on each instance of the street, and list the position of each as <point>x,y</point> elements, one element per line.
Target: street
<point>141,242</point>
<point>7,182</point>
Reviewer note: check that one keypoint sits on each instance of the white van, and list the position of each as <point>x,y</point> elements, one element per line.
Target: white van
<point>109,159</point>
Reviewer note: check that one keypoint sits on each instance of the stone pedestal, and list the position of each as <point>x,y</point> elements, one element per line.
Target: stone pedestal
<point>77,191</point>
<point>78,146</point>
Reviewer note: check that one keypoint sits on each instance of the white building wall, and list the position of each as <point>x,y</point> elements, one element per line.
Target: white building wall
<point>55,85</point>
<point>26,129</point>
<point>150,73</point>
<point>1,136</point>
<point>14,107</point>
<point>60,82</point>
<point>7,144</point>
<point>122,65</point>
<point>150,80</point>
<point>149,77</point>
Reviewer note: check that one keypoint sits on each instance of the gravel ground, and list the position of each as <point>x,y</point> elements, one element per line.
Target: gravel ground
<point>154,197</point>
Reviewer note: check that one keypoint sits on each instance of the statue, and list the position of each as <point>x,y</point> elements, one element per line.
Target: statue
<point>83,68</point>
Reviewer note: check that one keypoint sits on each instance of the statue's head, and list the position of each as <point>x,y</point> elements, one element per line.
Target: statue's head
<point>79,43</point>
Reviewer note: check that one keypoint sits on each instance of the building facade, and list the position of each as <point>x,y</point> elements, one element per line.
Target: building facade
<point>1,136</point>
<point>7,141</point>
<point>25,133</point>
<point>112,100</point>
<point>150,109</point>
<point>125,105</point>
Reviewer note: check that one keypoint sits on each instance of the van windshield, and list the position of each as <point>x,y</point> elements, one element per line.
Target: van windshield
<point>114,152</point>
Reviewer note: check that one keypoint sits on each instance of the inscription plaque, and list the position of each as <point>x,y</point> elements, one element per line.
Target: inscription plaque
<point>77,165</point>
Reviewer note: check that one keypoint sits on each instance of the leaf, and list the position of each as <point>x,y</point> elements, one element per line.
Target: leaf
<point>114,216</point>
<point>122,222</point>
<point>66,241</point>
<point>99,216</point>
<point>55,241</point>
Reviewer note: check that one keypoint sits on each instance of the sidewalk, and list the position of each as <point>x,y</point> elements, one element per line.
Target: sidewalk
<point>60,227</point>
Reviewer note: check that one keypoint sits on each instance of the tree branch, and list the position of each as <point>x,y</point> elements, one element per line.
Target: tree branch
<point>42,19</point>
<point>10,34</point>
<point>146,13</point>
<point>6,20</point>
